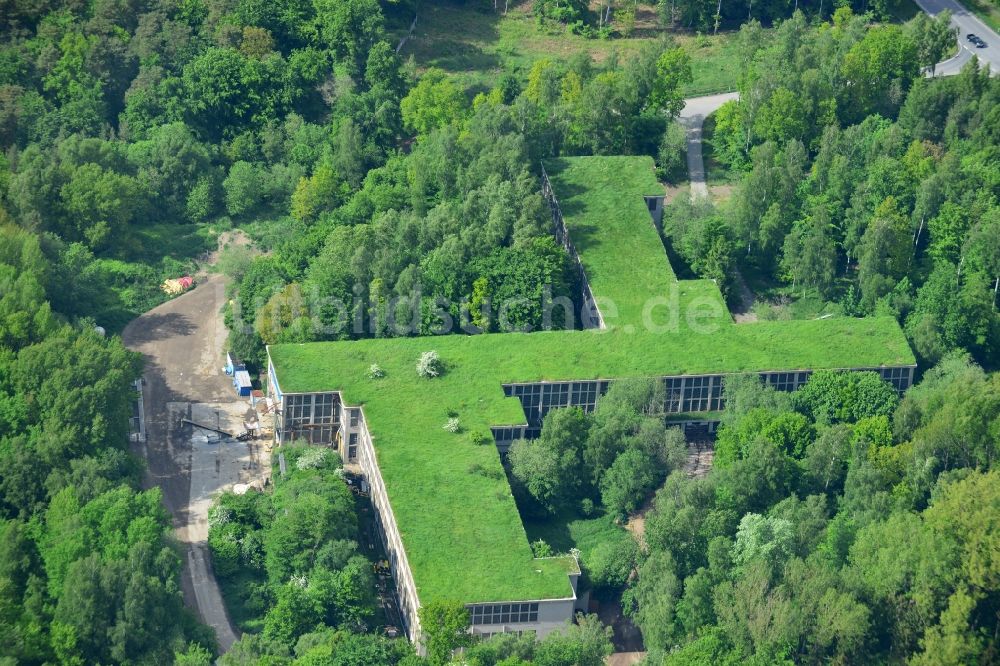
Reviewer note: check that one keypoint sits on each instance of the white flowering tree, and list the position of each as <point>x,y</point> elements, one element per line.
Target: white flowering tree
<point>430,365</point>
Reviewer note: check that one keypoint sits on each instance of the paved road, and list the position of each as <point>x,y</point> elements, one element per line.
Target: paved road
<point>951,66</point>
<point>696,109</point>
<point>181,343</point>
<point>966,22</point>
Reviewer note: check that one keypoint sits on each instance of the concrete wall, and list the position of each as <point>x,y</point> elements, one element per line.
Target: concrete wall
<point>406,590</point>
<point>654,204</point>
<point>352,433</point>
<point>590,315</point>
<point>552,614</point>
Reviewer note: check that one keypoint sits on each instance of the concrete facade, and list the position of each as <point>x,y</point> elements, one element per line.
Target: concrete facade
<point>541,616</point>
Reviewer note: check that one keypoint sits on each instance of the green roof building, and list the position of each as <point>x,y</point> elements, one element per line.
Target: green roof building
<point>448,520</point>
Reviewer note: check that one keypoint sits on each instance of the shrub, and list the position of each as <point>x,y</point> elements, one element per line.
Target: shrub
<point>452,425</point>
<point>429,365</point>
<point>375,371</point>
<point>671,157</point>
<point>541,549</point>
<point>225,546</point>
<point>252,550</point>
<point>480,438</point>
<point>300,455</point>
<point>313,458</point>
<point>219,516</point>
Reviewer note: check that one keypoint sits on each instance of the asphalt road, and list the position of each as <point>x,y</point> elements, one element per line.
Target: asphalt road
<point>951,66</point>
<point>966,22</point>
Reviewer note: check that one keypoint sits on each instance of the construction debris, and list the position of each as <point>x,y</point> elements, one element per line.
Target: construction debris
<point>176,286</point>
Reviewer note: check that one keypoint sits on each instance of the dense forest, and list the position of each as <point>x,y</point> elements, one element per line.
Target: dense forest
<point>838,524</point>
<point>88,572</point>
<point>862,184</point>
<point>841,524</point>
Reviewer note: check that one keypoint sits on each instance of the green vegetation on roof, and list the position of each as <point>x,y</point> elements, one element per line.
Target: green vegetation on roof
<point>460,526</point>
<point>603,205</point>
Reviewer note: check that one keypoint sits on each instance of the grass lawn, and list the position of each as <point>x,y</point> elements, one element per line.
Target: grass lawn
<point>476,45</point>
<point>461,529</point>
<point>564,532</point>
<point>713,63</point>
<point>602,205</point>
<point>182,242</point>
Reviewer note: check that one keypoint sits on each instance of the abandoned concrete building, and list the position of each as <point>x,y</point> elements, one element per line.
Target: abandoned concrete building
<point>446,515</point>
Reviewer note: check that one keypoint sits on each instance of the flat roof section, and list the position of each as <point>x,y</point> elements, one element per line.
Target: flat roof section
<point>602,200</point>
<point>460,526</point>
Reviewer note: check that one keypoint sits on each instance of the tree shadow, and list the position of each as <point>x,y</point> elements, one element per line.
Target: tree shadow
<point>553,530</point>
<point>157,326</point>
<point>454,37</point>
<point>461,56</point>
<point>154,242</point>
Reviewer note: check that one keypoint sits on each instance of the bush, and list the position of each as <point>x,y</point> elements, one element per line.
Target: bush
<point>234,260</point>
<point>225,546</point>
<point>453,425</point>
<point>833,397</point>
<point>480,438</point>
<point>375,371</point>
<point>203,200</point>
<point>430,365</point>
<point>571,12</point>
<point>628,481</point>
<point>541,549</point>
<point>243,187</point>
<point>671,157</point>
<point>313,458</point>
<point>302,456</point>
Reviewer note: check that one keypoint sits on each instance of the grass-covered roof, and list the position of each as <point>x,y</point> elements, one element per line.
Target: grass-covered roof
<point>460,526</point>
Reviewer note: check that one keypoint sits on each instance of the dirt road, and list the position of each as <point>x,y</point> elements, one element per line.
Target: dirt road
<point>182,343</point>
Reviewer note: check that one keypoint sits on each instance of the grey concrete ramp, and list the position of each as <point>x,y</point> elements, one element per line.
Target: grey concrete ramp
<point>696,109</point>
